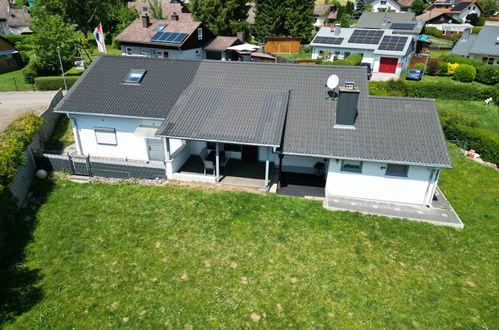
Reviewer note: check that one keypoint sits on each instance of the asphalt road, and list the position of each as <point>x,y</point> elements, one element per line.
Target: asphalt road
<point>13,104</point>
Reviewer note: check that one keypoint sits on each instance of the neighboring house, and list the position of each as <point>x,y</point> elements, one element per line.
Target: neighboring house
<point>483,46</point>
<point>14,20</point>
<point>458,10</point>
<point>324,14</point>
<point>169,7</point>
<point>382,49</point>
<point>172,38</point>
<point>390,5</point>
<point>9,56</point>
<point>443,22</point>
<point>269,119</point>
<point>399,23</point>
<point>218,48</point>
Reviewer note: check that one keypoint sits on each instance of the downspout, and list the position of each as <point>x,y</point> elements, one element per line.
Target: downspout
<point>77,135</point>
<point>281,156</point>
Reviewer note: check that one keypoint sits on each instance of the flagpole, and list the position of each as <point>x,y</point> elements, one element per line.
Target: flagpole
<point>62,68</point>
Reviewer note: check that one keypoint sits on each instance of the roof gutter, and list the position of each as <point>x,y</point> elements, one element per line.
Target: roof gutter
<point>218,141</point>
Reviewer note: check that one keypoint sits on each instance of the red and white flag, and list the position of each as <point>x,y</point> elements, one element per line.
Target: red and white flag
<point>99,38</point>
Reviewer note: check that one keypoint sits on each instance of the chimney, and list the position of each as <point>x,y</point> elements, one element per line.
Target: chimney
<point>240,36</point>
<point>145,21</point>
<point>337,29</point>
<point>346,106</point>
<point>174,16</point>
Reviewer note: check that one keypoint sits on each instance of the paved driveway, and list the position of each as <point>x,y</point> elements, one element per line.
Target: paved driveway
<point>381,76</point>
<point>13,104</point>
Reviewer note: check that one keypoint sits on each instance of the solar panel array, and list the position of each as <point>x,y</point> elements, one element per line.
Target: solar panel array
<point>170,37</point>
<point>460,6</point>
<point>328,40</point>
<point>394,43</point>
<point>371,37</point>
<point>402,26</point>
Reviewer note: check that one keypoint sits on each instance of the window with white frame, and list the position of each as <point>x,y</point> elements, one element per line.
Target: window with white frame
<point>105,136</point>
<point>200,33</point>
<point>351,166</point>
<point>397,170</point>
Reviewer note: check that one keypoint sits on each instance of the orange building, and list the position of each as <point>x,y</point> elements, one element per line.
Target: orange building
<point>289,45</point>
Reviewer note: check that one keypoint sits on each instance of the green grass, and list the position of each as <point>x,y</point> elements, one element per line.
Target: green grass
<point>93,52</point>
<point>297,56</point>
<point>486,116</point>
<point>437,53</point>
<point>104,255</point>
<point>7,82</point>
<point>62,135</point>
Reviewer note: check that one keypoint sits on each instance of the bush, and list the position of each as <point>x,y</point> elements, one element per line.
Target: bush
<point>432,31</point>
<point>476,29</point>
<point>432,68</point>
<point>451,67</point>
<point>462,60</point>
<point>465,73</point>
<point>54,83</point>
<point>74,72</point>
<point>443,68</point>
<point>421,66</point>
<point>29,73</point>
<point>13,143</point>
<point>458,128</point>
<point>487,74</point>
<point>15,38</point>
<point>352,59</point>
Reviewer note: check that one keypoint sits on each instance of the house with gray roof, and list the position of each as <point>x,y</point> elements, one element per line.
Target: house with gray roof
<point>483,46</point>
<point>399,23</point>
<point>383,49</point>
<point>258,123</point>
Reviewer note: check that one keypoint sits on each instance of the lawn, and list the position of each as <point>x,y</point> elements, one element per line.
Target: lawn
<point>62,135</point>
<point>437,53</point>
<point>14,80</point>
<point>105,255</point>
<point>297,56</point>
<point>486,116</point>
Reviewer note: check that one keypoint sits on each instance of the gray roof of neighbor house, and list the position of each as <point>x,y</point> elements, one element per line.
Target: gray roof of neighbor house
<point>486,42</point>
<point>245,102</point>
<point>222,43</point>
<point>15,17</point>
<point>390,20</point>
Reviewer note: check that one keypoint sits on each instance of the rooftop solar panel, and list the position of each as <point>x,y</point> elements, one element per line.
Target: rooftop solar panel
<point>371,37</point>
<point>393,43</point>
<point>402,26</point>
<point>164,36</point>
<point>156,36</point>
<point>328,40</point>
<point>180,37</point>
<point>460,6</point>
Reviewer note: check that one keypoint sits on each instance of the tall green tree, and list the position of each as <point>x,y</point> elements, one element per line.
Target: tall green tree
<point>418,6</point>
<point>155,9</point>
<point>223,17</point>
<point>299,18</point>
<point>360,6</point>
<point>489,6</point>
<point>49,32</point>
<point>270,18</point>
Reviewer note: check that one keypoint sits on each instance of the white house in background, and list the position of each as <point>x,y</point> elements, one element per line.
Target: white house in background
<point>259,121</point>
<point>458,10</point>
<point>384,50</point>
<point>390,5</point>
<point>483,46</point>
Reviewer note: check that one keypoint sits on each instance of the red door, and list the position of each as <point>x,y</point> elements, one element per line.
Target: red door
<point>388,64</point>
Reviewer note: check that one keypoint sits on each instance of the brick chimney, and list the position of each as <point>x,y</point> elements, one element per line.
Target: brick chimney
<point>145,21</point>
<point>174,16</point>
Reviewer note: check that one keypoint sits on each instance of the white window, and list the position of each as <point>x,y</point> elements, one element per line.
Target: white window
<point>105,136</point>
<point>129,51</point>
<point>200,33</point>
<point>397,170</point>
<point>351,166</point>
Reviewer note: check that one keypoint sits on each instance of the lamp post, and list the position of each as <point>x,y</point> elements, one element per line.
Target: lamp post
<point>62,69</point>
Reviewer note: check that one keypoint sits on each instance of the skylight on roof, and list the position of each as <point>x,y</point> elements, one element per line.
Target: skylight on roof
<point>135,76</point>
<point>159,27</point>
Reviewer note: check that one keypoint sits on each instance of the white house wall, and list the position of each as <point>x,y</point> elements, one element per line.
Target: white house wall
<point>373,184</point>
<point>390,6</point>
<point>300,164</point>
<point>193,54</point>
<point>128,145</point>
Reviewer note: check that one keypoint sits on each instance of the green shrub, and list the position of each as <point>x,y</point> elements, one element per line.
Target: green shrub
<point>476,29</point>
<point>432,31</point>
<point>487,74</point>
<point>462,60</point>
<point>458,128</point>
<point>13,143</point>
<point>54,83</point>
<point>421,66</point>
<point>15,38</point>
<point>74,72</point>
<point>443,68</point>
<point>29,73</point>
<point>465,73</point>
<point>352,59</point>
<point>432,68</point>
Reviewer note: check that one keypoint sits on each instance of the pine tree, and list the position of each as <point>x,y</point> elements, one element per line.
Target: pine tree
<point>299,18</point>
<point>223,17</point>
<point>270,19</point>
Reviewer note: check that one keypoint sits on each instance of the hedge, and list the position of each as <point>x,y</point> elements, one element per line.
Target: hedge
<point>487,74</point>
<point>483,142</point>
<point>15,38</point>
<point>54,83</point>
<point>73,72</point>
<point>462,60</point>
<point>352,59</point>
<point>13,143</point>
<point>433,31</point>
<point>436,90</point>
<point>465,73</point>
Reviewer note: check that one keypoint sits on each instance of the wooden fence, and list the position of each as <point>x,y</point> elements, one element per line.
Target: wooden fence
<point>424,60</point>
<point>25,173</point>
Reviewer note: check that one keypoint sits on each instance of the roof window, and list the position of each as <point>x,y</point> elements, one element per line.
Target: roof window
<point>135,76</point>
<point>159,27</point>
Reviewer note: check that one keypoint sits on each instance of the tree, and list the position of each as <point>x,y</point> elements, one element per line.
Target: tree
<point>418,6</point>
<point>489,6</point>
<point>299,18</point>
<point>156,9</point>
<point>270,19</point>
<point>49,32</point>
<point>344,21</point>
<point>359,9</point>
<point>126,15</point>
<point>223,17</point>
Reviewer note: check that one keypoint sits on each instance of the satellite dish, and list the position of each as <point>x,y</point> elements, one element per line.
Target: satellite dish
<point>332,82</point>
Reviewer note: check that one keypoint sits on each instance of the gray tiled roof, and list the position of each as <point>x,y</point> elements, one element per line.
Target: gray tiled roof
<point>398,130</point>
<point>463,45</point>
<point>486,42</point>
<point>379,20</point>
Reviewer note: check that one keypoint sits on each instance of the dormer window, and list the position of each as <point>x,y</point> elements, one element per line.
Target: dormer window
<point>135,76</point>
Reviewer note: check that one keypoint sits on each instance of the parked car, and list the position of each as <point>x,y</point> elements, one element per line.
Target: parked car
<point>369,71</point>
<point>415,74</point>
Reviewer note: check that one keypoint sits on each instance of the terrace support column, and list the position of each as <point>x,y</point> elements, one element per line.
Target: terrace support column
<point>217,161</point>
<point>267,163</point>
<point>166,144</point>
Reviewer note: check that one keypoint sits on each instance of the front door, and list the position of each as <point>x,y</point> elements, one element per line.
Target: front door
<point>155,150</point>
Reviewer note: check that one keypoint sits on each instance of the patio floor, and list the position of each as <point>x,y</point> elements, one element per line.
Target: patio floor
<point>239,173</point>
<point>301,185</point>
<point>441,212</point>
